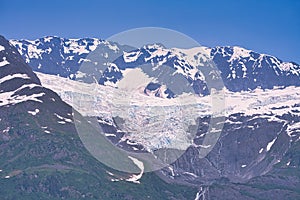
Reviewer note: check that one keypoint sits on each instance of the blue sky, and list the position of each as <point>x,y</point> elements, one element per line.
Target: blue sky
<point>271,27</point>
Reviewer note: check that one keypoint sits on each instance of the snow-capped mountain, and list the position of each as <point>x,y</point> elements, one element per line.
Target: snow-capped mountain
<point>240,69</point>
<point>258,145</point>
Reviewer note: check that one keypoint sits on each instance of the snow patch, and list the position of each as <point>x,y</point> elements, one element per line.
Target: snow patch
<point>131,56</point>
<point>140,164</point>
<point>4,62</point>
<point>191,174</point>
<point>62,118</point>
<point>110,135</point>
<point>111,46</point>
<point>2,48</point>
<point>270,144</point>
<point>8,98</point>
<point>6,130</point>
<point>36,111</point>
<point>238,53</point>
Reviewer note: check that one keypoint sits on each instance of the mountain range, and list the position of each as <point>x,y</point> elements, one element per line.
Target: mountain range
<point>257,155</point>
<point>240,69</point>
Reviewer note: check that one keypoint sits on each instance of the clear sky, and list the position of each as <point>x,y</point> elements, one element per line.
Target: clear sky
<point>265,26</point>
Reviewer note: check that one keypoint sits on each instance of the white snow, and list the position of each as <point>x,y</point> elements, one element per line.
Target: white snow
<point>131,56</point>
<point>201,194</point>
<point>261,150</point>
<point>2,48</point>
<point>111,46</point>
<point>287,66</point>
<point>191,174</point>
<point>48,39</point>
<point>10,77</point>
<point>172,170</point>
<point>8,98</point>
<point>110,135</point>
<point>80,74</point>
<point>270,144</point>
<point>239,52</point>
<point>7,177</point>
<point>64,120</point>
<point>194,56</point>
<point>36,111</point>
<point>83,60</point>
<point>75,47</point>
<point>4,62</point>
<point>106,102</point>
<point>293,128</point>
<point>198,195</point>
<point>261,101</point>
<point>160,52</point>
<point>109,173</point>
<point>243,166</point>
<point>95,45</point>
<point>135,178</point>
<point>34,52</point>
<point>6,130</point>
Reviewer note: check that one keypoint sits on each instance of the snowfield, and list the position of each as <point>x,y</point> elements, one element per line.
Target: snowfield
<point>166,121</point>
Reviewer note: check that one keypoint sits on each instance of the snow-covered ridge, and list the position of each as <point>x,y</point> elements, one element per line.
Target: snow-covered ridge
<point>54,55</point>
<point>33,49</point>
<point>239,57</point>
